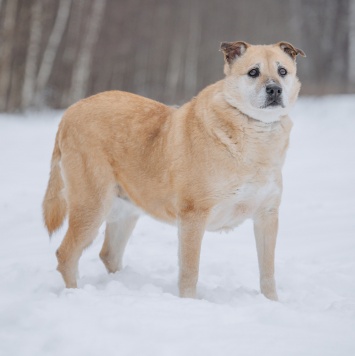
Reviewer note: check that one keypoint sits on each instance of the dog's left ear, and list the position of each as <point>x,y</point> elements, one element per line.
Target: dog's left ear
<point>233,50</point>
<point>291,50</point>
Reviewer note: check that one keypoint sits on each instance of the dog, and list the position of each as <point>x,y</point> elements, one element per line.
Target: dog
<point>208,165</point>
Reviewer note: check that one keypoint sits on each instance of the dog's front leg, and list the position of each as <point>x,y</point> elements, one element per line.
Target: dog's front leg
<point>191,229</point>
<point>265,229</point>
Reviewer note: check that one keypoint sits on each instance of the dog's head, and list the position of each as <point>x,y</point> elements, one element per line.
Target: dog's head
<point>260,80</point>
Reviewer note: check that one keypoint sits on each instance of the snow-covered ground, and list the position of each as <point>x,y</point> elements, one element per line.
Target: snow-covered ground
<point>137,312</point>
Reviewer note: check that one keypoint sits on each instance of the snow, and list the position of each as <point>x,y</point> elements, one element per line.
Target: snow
<point>137,311</point>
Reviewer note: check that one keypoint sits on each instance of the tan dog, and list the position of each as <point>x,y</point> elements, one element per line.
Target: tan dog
<point>208,165</point>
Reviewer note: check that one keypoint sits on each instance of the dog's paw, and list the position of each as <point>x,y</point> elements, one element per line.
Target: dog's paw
<point>188,293</point>
<point>268,288</point>
<point>272,296</point>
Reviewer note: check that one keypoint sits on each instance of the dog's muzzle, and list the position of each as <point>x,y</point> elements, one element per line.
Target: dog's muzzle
<point>273,95</point>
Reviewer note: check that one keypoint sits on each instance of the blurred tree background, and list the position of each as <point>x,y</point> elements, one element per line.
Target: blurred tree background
<point>55,52</point>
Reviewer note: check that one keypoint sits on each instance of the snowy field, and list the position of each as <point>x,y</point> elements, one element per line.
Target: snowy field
<point>137,312</point>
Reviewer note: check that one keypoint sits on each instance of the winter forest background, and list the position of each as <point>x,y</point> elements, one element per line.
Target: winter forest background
<point>55,52</point>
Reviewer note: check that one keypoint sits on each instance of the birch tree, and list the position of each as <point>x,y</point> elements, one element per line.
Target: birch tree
<point>6,47</point>
<point>193,47</point>
<point>81,71</point>
<point>33,51</point>
<point>51,50</point>
<point>352,45</point>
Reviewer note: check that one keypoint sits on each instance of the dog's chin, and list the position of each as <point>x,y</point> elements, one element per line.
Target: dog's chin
<point>272,105</point>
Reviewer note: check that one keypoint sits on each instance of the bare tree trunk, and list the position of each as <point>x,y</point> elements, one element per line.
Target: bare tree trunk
<point>81,72</point>
<point>192,51</point>
<point>51,50</point>
<point>352,45</point>
<point>9,26</point>
<point>33,49</point>
<point>71,50</point>
<point>141,56</point>
<point>175,62</point>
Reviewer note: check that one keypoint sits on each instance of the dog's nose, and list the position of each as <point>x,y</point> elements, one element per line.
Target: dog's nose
<point>273,91</point>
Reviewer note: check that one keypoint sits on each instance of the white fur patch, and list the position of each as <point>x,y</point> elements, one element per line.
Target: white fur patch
<point>240,206</point>
<point>122,209</point>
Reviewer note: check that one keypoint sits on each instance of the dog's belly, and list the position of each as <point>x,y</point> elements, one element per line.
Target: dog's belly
<point>241,205</point>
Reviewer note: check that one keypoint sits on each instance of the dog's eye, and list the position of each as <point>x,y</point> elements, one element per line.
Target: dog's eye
<point>282,71</point>
<point>254,73</point>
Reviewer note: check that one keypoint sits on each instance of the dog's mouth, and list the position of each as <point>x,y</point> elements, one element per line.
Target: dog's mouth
<point>270,104</point>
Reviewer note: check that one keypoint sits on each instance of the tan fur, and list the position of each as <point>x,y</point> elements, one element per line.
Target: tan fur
<point>206,165</point>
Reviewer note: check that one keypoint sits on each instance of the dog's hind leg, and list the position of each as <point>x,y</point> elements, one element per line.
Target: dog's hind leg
<point>90,190</point>
<point>119,226</point>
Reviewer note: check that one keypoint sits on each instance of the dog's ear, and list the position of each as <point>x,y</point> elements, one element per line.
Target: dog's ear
<point>291,50</point>
<point>233,50</point>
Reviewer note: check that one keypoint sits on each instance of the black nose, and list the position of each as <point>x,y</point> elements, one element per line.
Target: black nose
<point>273,91</point>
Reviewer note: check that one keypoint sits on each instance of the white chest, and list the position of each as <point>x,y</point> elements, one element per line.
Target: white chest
<point>242,204</point>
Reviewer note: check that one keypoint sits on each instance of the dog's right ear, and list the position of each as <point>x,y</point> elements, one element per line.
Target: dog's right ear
<point>233,50</point>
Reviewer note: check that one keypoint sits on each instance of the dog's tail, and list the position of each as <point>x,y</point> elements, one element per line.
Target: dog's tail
<point>54,204</point>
